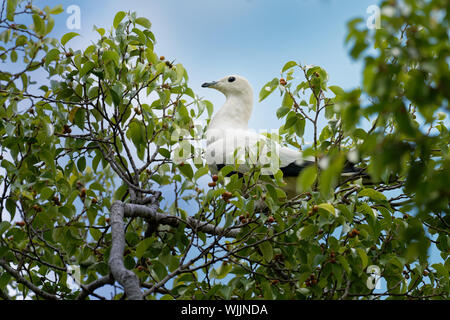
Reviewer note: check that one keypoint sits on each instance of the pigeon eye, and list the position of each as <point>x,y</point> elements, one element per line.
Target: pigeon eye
<point>231,79</point>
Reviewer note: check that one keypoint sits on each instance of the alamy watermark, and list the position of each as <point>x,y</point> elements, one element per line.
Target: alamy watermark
<point>374,20</point>
<point>373,281</point>
<point>74,273</point>
<point>73,22</point>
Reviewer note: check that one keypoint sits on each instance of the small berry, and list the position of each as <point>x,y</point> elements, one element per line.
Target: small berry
<point>20,223</point>
<point>162,58</point>
<point>283,82</point>
<point>215,178</point>
<point>227,195</point>
<point>212,184</point>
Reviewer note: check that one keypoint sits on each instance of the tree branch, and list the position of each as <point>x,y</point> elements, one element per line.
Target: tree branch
<point>125,277</point>
<point>27,283</point>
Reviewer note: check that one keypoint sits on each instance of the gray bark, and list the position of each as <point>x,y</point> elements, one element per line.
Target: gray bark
<point>125,277</point>
<point>119,210</point>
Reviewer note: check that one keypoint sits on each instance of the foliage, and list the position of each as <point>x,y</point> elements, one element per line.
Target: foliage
<point>88,137</point>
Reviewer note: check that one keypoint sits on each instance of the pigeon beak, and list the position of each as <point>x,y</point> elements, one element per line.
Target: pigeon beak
<point>209,84</point>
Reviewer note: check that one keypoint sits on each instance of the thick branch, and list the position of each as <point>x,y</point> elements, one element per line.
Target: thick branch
<point>151,213</point>
<point>94,285</point>
<point>125,277</point>
<point>119,210</point>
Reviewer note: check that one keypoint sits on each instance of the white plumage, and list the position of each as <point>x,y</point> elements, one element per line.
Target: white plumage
<point>229,140</point>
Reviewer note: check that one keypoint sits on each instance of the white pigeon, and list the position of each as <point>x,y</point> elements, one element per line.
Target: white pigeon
<point>230,142</point>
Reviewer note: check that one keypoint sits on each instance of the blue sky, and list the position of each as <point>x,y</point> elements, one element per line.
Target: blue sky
<point>253,38</point>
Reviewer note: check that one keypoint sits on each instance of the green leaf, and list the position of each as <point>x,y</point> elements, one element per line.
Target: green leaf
<point>120,192</point>
<point>80,116</point>
<point>344,263</point>
<point>81,164</point>
<point>4,225</point>
<point>46,193</point>
<point>110,55</point>
<point>136,132</point>
<point>186,170</point>
<point>57,9</point>
<point>143,246</point>
<point>143,22</point>
<point>441,270</point>
<point>299,126</point>
<point>308,231</point>
<point>327,207</point>
<point>306,178</point>
<point>11,9</point>
<point>164,152</point>
<point>67,37</point>
<point>363,255</point>
<point>118,18</point>
<point>287,100</point>
<point>180,72</point>
<point>201,172</point>
<point>88,66</point>
<point>11,207</point>
<point>281,112</point>
<point>267,89</point>
<point>38,23</point>
<point>116,96</point>
<point>372,194</point>
<point>13,56</point>
<point>289,65</point>
<point>52,55</point>
<point>223,270</point>
<point>95,233</point>
<point>158,270</point>
<point>338,91</point>
<point>266,250</point>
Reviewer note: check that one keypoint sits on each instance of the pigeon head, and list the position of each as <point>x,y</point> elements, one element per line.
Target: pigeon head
<point>232,85</point>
